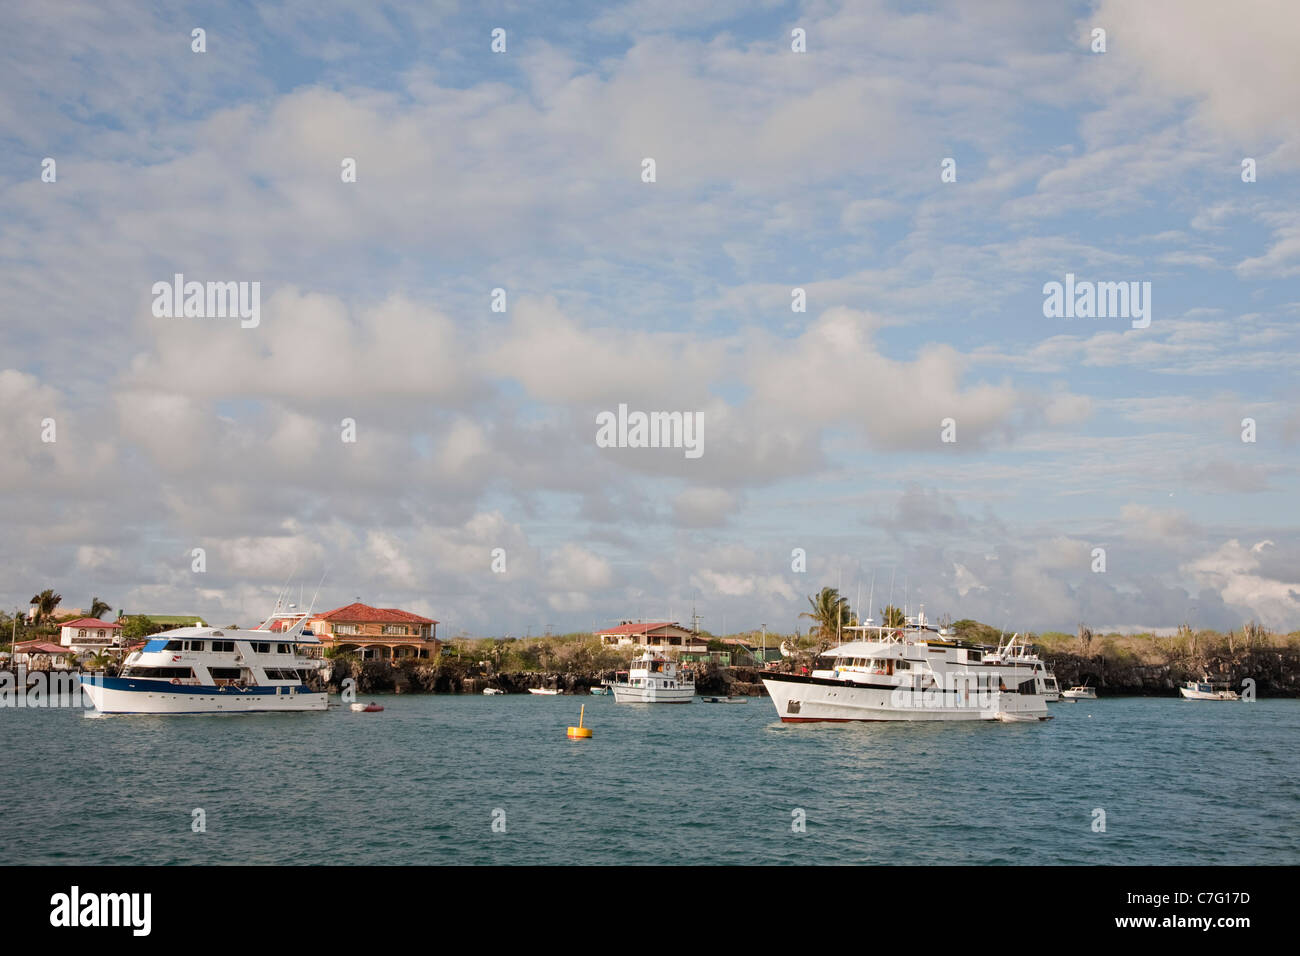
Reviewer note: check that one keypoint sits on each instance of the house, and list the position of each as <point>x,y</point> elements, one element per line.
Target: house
<point>43,655</point>
<point>377,633</point>
<point>89,635</point>
<point>665,634</point>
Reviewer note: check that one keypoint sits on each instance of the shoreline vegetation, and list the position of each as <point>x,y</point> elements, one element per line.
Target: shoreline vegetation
<point>1117,664</point>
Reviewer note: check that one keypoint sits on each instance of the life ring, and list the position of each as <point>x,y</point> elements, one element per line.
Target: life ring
<point>176,680</point>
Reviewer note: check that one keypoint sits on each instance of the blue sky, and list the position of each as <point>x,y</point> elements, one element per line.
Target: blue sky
<point>775,170</point>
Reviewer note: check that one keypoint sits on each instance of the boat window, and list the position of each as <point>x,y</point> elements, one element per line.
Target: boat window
<point>903,665</point>
<point>174,646</point>
<point>224,673</point>
<point>223,646</point>
<point>165,673</point>
<point>196,645</point>
<point>282,649</point>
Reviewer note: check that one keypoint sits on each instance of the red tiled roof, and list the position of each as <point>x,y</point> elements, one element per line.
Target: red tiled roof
<point>365,614</point>
<point>41,647</point>
<point>89,622</point>
<point>640,627</point>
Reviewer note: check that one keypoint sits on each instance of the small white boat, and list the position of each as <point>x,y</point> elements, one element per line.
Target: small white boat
<point>543,691</point>
<point>1207,690</point>
<point>653,678</point>
<point>365,708</point>
<point>1079,692</point>
<point>725,700</point>
<point>492,691</point>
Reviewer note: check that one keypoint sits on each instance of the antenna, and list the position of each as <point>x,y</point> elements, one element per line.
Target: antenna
<point>872,593</point>
<point>284,589</point>
<point>857,599</point>
<point>892,575</point>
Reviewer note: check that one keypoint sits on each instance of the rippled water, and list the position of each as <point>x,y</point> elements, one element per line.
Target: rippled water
<point>1180,782</point>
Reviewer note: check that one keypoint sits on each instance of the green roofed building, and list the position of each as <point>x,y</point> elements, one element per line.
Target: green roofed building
<point>169,621</point>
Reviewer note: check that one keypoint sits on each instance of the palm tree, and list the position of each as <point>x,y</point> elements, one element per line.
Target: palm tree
<point>98,608</point>
<point>45,603</point>
<point>830,611</point>
<point>892,617</point>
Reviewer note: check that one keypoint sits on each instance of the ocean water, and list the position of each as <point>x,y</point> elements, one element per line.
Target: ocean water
<point>1179,782</point>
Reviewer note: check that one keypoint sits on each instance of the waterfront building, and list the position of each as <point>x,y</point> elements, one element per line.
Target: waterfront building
<point>663,634</point>
<point>41,655</point>
<point>90,635</point>
<point>377,633</point>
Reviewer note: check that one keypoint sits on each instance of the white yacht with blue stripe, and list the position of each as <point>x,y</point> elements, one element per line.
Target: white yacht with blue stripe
<point>208,670</point>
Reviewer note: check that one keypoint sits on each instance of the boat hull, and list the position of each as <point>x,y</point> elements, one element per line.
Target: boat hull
<point>120,695</point>
<point>624,694</point>
<point>804,700</point>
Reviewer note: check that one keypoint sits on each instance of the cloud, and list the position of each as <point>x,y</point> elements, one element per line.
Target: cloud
<point>1232,571</point>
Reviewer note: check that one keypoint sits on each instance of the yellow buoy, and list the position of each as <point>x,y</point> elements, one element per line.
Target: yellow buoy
<point>580,732</point>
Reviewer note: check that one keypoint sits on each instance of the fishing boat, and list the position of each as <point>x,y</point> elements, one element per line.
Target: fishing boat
<point>1207,690</point>
<point>543,691</point>
<point>653,678</point>
<point>1079,692</point>
<point>208,670</point>
<point>912,672</point>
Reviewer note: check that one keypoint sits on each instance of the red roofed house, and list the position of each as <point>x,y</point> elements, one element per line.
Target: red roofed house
<point>654,634</point>
<point>377,633</point>
<point>89,635</point>
<point>42,655</point>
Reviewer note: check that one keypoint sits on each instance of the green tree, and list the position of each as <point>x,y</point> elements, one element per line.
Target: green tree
<point>136,627</point>
<point>830,611</point>
<point>892,617</point>
<point>98,608</point>
<point>45,603</point>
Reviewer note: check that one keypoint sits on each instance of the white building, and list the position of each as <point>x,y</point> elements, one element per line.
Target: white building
<point>663,634</point>
<point>89,635</point>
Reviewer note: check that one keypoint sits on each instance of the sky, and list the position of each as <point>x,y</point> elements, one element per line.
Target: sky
<point>922,431</point>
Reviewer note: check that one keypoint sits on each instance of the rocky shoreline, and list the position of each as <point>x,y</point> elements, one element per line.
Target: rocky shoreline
<point>1276,672</point>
